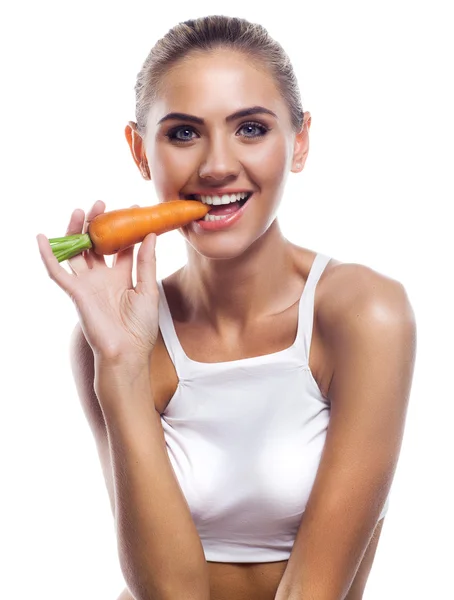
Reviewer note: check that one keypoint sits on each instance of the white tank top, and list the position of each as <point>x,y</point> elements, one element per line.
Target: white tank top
<point>245,438</point>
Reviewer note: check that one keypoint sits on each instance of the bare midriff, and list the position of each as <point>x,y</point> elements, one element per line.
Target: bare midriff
<point>238,581</point>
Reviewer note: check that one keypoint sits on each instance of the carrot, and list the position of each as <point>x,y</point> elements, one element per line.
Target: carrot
<point>116,230</point>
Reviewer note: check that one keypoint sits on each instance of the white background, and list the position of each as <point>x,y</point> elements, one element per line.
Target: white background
<point>376,190</point>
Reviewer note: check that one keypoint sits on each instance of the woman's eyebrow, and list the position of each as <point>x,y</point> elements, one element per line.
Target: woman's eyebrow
<point>245,112</point>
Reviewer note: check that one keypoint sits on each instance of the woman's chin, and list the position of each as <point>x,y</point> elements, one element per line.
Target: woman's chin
<point>212,246</point>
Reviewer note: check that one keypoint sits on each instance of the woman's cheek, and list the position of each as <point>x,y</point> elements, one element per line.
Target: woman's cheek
<point>268,162</point>
<point>171,171</point>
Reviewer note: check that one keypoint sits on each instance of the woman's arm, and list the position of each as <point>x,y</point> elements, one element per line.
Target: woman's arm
<point>187,557</point>
<point>160,552</point>
<point>372,334</point>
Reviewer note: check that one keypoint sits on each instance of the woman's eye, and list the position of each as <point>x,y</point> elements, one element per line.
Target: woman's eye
<point>173,134</point>
<point>184,133</point>
<point>262,130</point>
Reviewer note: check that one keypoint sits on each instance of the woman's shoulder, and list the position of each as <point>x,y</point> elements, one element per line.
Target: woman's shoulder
<point>341,286</point>
<point>349,285</point>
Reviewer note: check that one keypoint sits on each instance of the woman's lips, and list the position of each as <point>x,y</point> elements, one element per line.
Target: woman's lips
<point>225,222</point>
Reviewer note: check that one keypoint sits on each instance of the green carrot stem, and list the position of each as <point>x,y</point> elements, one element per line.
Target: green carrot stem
<point>68,246</point>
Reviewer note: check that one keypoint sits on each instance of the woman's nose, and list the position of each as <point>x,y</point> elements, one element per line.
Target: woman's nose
<point>219,161</point>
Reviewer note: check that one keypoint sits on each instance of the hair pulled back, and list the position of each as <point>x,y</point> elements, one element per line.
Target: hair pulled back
<point>209,33</point>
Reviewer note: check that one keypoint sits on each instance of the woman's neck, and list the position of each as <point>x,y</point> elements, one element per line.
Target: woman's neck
<point>233,293</point>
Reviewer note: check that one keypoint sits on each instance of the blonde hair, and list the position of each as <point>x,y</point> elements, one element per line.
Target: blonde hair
<point>209,33</point>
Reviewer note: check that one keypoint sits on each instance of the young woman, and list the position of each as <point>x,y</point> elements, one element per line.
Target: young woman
<point>248,409</point>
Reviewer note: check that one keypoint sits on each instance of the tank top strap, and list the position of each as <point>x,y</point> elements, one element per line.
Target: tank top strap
<point>183,366</point>
<point>306,307</point>
<point>169,334</point>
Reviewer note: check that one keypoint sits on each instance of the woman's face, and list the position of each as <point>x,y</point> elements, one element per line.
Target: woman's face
<point>222,151</point>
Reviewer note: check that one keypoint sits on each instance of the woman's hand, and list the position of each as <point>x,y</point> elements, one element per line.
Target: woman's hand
<point>119,321</point>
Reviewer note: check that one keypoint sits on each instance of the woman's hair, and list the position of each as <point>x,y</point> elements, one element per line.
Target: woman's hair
<point>208,33</point>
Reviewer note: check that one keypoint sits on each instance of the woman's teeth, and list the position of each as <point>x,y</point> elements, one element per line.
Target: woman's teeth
<point>240,197</point>
<point>209,217</point>
<point>225,199</point>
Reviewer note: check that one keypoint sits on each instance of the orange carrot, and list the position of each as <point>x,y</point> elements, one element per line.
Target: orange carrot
<point>116,230</point>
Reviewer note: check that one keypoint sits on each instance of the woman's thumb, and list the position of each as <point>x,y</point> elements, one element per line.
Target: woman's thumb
<point>146,265</point>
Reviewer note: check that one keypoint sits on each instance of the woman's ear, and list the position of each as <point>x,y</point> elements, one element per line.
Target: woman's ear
<point>136,145</point>
<point>301,147</point>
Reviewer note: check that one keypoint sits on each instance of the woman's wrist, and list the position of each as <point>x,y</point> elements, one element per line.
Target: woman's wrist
<point>124,384</point>
<point>123,359</point>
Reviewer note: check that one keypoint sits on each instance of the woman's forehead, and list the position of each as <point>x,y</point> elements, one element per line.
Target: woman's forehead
<point>216,84</point>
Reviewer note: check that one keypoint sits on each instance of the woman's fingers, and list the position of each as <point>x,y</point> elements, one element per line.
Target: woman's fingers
<point>76,223</point>
<point>92,258</point>
<point>146,266</point>
<point>98,207</point>
<point>123,261</point>
<point>55,271</point>
<point>79,224</point>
